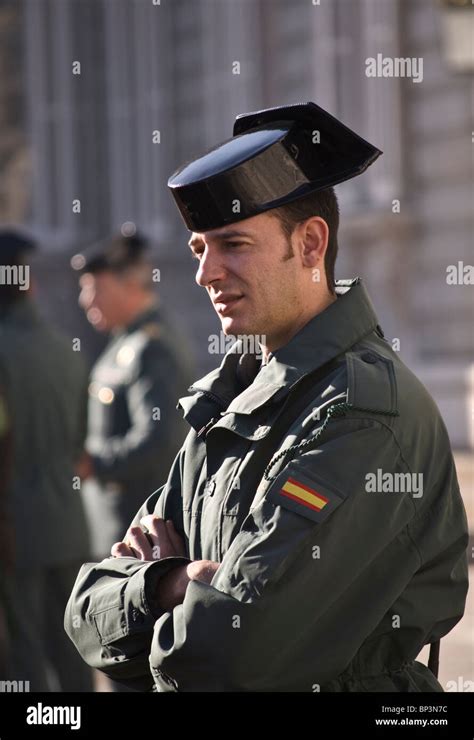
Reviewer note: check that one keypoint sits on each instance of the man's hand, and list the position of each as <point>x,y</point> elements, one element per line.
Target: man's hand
<point>161,540</point>
<point>202,570</point>
<point>84,467</point>
<point>158,539</point>
<point>171,589</point>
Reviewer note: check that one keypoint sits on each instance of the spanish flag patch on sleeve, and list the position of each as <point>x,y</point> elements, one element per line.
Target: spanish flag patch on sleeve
<point>298,492</point>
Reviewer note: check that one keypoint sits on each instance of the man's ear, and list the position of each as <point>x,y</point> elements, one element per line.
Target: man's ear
<point>314,238</point>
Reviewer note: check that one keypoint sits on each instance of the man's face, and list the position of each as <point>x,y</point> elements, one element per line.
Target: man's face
<point>102,298</point>
<point>251,275</point>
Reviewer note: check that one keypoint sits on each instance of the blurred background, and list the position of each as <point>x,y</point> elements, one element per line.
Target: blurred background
<point>101,100</point>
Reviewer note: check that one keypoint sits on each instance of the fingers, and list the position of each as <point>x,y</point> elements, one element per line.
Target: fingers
<point>161,540</point>
<point>137,540</point>
<point>159,534</point>
<point>121,550</point>
<point>175,539</point>
<point>168,542</point>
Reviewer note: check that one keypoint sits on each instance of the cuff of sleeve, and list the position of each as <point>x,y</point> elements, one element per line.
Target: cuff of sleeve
<point>152,576</point>
<point>128,613</point>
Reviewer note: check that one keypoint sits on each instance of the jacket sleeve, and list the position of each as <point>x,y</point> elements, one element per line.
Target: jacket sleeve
<point>296,574</point>
<point>154,387</point>
<point>107,616</point>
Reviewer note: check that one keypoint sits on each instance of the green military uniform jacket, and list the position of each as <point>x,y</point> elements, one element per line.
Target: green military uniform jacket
<point>134,429</point>
<point>325,584</point>
<point>45,386</point>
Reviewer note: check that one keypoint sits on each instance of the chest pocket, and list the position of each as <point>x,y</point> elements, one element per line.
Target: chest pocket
<point>233,445</point>
<point>216,493</point>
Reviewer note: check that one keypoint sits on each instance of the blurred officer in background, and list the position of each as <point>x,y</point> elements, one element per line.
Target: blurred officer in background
<point>44,385</point>
<point>266,562</point>
<point>6,546</point>
<point>134,428</point>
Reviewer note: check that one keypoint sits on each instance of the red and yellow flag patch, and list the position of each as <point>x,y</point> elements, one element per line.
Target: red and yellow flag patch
<point>303,492</point>
<point>304,495</point>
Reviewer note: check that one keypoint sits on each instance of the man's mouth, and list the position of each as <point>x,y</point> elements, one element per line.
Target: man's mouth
<point>225,303</point>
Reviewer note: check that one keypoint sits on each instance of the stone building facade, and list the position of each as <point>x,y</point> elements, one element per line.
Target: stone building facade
<point>106,97</point>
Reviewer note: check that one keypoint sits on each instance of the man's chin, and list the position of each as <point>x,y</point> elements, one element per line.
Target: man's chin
<point>237,327</point>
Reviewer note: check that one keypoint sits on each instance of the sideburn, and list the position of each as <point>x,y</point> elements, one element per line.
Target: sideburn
<point>289,254</point>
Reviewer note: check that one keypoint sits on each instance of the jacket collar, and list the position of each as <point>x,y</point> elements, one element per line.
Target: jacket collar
<point>328,334</point>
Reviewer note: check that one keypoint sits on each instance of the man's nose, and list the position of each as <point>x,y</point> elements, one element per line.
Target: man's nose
<point>211,267</point>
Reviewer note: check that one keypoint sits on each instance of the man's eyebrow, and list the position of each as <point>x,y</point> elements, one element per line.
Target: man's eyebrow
<point>196,239</point>
<point>232,235</point>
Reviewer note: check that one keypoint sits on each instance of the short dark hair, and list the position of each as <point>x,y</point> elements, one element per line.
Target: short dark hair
<point>322,203</point>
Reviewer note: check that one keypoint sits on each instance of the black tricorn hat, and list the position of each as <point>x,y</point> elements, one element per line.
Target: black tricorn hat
<point>115,252</point>
<point>275,156</point>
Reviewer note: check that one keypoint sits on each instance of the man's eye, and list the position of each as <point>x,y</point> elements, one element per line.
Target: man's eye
<point>233,244</point>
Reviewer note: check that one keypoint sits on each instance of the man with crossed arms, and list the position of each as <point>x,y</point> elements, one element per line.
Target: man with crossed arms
<point>244,573</point>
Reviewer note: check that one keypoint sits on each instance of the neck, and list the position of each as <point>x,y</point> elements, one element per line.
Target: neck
<point>279,340</point>
<point>145,303</point>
